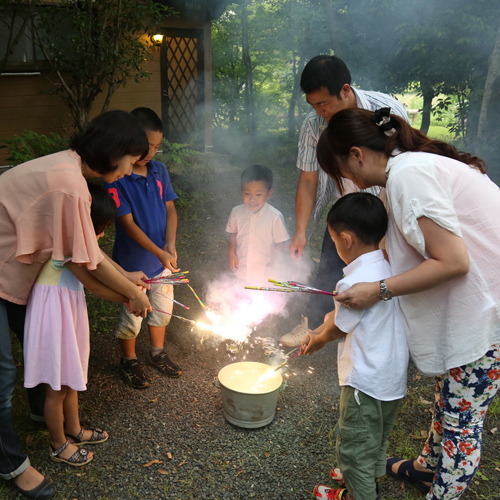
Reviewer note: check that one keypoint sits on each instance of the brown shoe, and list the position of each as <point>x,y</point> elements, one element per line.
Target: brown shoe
<point>134,374</point>
<point>163,363</point>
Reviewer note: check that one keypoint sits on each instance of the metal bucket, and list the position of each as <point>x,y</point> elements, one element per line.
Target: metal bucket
<point>248,401</point>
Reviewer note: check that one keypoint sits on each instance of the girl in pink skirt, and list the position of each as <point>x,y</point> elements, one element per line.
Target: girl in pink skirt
<point>56,342</point>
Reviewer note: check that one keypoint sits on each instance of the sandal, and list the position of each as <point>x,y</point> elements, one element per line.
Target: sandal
<point>98,436</point>
<point>78,458</point>
<point>407,472</point>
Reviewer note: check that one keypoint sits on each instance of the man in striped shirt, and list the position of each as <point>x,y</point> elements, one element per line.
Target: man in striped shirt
<point>326,82</point>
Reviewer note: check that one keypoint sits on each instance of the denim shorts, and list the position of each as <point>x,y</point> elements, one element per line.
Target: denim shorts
<point>129,326</point>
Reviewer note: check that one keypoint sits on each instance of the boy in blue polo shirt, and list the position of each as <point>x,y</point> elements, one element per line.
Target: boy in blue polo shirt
<point>146,230</point>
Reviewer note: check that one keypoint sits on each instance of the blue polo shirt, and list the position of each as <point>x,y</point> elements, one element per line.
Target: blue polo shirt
<point>145,198</point>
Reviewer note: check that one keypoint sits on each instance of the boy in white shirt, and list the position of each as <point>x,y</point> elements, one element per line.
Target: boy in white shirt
<point>256,229</point>
<point>372,351</point>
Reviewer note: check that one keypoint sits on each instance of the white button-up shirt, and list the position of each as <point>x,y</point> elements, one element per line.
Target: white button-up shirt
<point>310,132</point>
<point>256,236</point>
<point>454,323</point>
<point>373,356</point>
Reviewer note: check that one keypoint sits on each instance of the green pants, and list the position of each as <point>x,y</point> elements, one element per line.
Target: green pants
<point>362,432</point>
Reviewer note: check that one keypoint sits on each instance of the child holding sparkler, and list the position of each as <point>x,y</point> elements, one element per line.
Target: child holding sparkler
<point>56,342</point>
<point>146,231</point>
<point>372,351</point>
<point>256,230</point>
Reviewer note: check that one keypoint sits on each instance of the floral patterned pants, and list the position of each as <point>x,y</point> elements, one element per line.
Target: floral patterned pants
<point>453,448</point>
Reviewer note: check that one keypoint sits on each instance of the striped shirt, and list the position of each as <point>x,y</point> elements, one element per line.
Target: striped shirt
<point>310,132</point>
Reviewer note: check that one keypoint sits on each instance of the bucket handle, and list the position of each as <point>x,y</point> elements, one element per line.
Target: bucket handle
<point>216,382</point>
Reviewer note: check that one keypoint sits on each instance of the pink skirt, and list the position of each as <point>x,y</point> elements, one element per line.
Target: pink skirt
<point>56,338</point>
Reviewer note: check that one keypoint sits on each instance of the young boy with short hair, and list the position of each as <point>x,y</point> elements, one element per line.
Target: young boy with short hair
<point>372,351</point>
<point>146,230</point>
<point>256,230</point>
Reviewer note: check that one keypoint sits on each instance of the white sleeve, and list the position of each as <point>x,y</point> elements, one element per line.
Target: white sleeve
<point>232,226</point>
<point>346,319</point>
<point>280,234</point>
<point>421,191</point>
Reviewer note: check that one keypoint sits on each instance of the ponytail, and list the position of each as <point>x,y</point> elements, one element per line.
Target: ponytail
<point>372,130</point>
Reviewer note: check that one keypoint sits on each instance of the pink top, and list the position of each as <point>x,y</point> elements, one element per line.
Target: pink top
<point>44,213</point>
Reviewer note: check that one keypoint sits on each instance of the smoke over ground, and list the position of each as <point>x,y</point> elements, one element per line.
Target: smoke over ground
<point>240,310</point>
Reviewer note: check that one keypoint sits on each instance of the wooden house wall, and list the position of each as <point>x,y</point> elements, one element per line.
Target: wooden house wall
<point>25,106</point>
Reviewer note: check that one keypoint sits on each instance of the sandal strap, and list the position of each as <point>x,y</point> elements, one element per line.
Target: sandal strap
<point>59,450</point>
<point>408,469</point>
<point>79,456</point>
<point>80,434</point>
<point>97,435</point>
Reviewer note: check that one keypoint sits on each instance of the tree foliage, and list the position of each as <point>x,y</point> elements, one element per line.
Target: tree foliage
<point>389,45</point>
<point>96,47</point>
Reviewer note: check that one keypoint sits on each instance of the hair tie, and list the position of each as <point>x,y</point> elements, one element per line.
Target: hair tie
<point>382,118</point>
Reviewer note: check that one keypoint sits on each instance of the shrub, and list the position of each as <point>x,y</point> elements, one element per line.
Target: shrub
<point>30,145</point>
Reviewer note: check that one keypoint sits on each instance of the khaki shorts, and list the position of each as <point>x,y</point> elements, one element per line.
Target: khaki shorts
<point>129,326</point>
<point>363,429</point>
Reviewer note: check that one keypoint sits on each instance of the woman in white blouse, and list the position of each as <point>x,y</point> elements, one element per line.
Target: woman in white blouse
<point>443,244</point>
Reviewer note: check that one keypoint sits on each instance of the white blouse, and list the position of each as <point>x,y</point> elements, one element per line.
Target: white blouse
<point>454,323</point>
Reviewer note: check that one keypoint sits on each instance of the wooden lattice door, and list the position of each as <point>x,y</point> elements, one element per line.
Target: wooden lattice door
<point>182,81</point>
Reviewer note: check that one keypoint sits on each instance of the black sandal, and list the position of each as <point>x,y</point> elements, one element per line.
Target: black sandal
<point>97,437</point>
<point>408,473</point>
<point>78,458</point>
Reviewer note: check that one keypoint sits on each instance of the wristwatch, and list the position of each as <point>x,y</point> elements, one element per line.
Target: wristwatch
<point>385,294</point>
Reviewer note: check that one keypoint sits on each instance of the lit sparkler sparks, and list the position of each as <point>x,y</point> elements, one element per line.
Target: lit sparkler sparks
<point>288,357</point>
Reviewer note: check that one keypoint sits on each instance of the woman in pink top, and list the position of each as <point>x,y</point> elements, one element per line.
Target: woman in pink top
<point>45,214</point>
<point>442,242</point>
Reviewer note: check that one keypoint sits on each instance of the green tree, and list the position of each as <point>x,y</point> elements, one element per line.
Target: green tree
<point>96,47</point>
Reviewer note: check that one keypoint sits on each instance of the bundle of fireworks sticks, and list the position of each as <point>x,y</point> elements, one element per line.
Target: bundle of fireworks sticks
<point>290,287</point>
<point>175,279</point>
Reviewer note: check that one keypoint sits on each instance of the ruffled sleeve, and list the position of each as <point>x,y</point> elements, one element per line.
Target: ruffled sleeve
<point>419,188</point>
<point>54,226</point>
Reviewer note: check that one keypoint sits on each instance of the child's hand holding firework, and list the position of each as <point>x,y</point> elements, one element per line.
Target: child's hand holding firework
<point>313,342</point>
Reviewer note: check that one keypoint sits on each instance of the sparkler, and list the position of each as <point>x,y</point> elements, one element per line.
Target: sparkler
<point>175,316</point>
<point>169,298</point>
<point>171,279</point>
<point>292,289</point>
<point>198,298</point>
<point>288,357</point>
<point>300,287</point>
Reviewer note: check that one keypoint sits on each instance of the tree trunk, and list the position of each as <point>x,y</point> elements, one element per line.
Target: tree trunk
<point>295,99</point>
<point>247,62</point>
<point>492,76</point>
<point>428,93</point>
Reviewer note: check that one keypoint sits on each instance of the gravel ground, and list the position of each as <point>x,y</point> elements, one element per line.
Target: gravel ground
<point>171,440</point>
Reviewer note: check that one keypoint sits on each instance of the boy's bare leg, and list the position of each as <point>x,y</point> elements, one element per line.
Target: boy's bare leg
<point>157,334</point>
<point>128,347</point>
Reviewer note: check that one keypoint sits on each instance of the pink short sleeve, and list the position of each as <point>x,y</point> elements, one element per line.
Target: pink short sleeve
<point>59,224</point>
